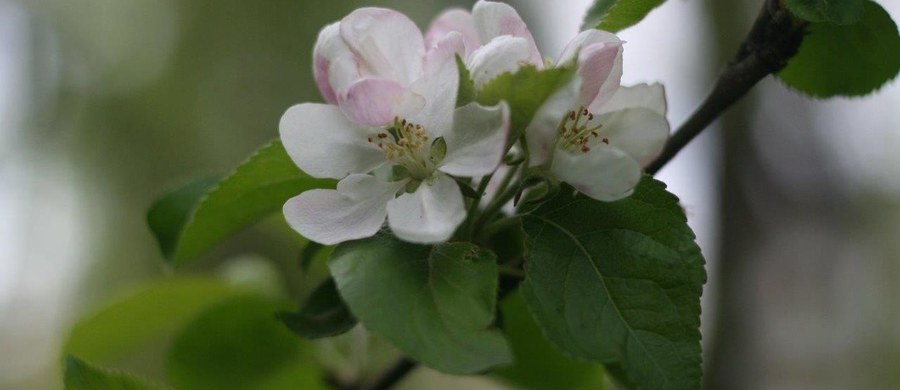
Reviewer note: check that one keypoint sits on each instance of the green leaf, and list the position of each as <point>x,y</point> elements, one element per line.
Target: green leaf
<point>80,375</point>
<point>466,92</point>
<point>323,315</point>
<point>525,91</point>
<point>851,60</point>
<point>615,15</point>
<point>436,303</point>
<point>832,11</point>
<point>256,189</point>
<point>538,364</point>
<point>168,215</point>
<point>619,283</point>
<point>239,345</point>
<point>150,313</point>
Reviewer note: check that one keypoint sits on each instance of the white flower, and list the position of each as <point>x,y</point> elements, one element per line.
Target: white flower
<point>495,38</point>
<point>592,134</point>
<point>392,105</point>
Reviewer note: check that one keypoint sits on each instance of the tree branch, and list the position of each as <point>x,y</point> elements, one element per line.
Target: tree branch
<point>774,38</point>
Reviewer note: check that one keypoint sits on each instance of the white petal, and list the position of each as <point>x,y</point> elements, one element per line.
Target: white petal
<point>343,71</point>
<point>541,133</point>
<point>376,102</point>
<point>584,39</point>
<point>323,143</point>
<point>478,140</point>
<point>501,55</point>
<point>605,173</point>
<point>640,132</point>
<point>493,19</point>
<point>440,85</point>
<point>649,96</point>
<point>355,210</point>
<point>386,42</point>
<point>452,20</point>
<point>329,48</point>
<point>429,215</point>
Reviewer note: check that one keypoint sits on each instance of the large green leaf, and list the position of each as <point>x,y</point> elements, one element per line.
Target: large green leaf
<point>538,364</point>
<point>619,283</point>
<point>846,60</point>
<point>525,91</point>
<point>436,303</point>
<point>256,189</point>
<point>153,311</point>
<point>239,345</point>
<point>168,215</point>
<point>832,11</point>
<point>80,375</point>
<point>615,15</point>
<point>323,315</point>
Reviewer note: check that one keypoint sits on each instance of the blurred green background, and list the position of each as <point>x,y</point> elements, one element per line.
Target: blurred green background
<point>106,104</point>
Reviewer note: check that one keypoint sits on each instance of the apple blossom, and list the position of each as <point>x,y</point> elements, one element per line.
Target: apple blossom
<point>593,133</point>
<point>391,112</point>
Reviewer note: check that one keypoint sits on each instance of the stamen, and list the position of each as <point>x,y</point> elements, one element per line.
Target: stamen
<point>576,134</point>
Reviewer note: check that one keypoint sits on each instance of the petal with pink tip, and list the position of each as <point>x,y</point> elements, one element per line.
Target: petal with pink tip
<point>386,43</point>
<point>377,102</point>
<point>493,19</point>
<point>457,20</point>
<point>600,67</point>
<point>329,48</point>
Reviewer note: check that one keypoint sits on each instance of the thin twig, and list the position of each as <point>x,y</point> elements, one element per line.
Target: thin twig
<point>773,40</point>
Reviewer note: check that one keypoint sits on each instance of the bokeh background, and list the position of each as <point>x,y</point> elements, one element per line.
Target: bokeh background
<point>105,104</point>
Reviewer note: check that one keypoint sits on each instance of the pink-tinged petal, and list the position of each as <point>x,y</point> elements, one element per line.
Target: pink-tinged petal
<point>457,20</point>
<point>543,130</point>
<point>605,173</point>
<point>439,86</point>
<point>429,215</point>
<point>377,102</point>
<point>585,39</point>
<point>330,47</point>
<point>501,55</point>
<point>640,132</point>
<point>342,73</point>
<point>356,209</point>
<point>493,19</point>
<point>602,74</point>
<point>649,96</point>
<point>386,43</point>
<point>476,145</point>
<point>324,144</point>
<point>600,68</point>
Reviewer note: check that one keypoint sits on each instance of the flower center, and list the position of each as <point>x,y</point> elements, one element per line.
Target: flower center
<point>578,131</point>
<point>406,145</point>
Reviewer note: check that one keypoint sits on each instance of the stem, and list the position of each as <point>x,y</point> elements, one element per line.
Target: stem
<point>774,38</point>
<point>392,375</point>
<point>469,223</point>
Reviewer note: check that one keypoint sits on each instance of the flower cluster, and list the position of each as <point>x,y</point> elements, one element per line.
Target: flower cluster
<point>392,134</point>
